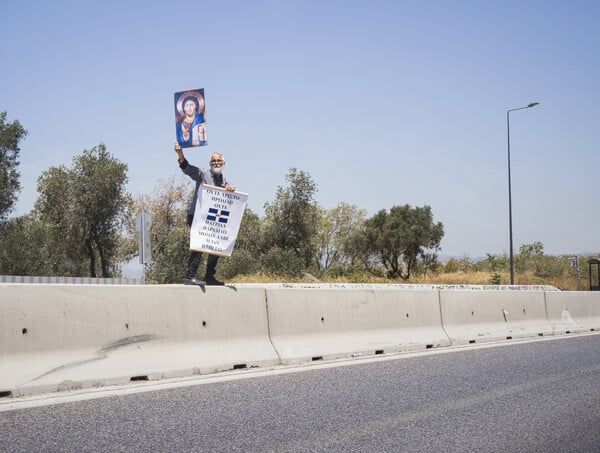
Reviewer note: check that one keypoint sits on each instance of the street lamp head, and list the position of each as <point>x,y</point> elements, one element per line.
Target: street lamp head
<point>533,104</point>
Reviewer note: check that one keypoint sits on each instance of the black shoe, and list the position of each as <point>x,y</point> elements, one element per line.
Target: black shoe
<point>214,282</point>
<point>194,281</point>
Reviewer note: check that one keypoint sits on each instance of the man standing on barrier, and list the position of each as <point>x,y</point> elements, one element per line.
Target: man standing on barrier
<point>213,176</point>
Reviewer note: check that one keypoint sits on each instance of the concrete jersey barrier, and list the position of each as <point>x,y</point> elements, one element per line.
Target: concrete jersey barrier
<point>58,337</point>
<point>320,324</point>
<point>470,317</point>
<point>574,311</point>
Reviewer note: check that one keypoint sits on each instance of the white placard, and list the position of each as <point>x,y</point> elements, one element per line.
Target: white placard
<point>217,220</point>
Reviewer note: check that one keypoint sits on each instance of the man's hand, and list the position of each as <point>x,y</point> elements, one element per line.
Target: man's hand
<point>179,152</point>
<point>230,188</point>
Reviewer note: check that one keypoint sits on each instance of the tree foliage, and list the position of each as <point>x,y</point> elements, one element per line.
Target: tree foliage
<point>22,252</point>
<point>395,241</point>
<point>291,220</point>
<point>64,238</point>
<point>335,226</point>
<point>531,258</point>
<point>250,234</point>
<point>82,209</point>
<point>462,264</point>
<point>169,233</point>
<point>86,207</point>
<point>245,258</point>
<point>10,136</point>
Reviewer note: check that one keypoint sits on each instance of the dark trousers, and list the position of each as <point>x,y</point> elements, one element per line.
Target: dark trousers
<point>194,263</point>
<point>196,259</point>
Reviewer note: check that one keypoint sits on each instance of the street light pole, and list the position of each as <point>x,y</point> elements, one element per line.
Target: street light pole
<point>512,263</point>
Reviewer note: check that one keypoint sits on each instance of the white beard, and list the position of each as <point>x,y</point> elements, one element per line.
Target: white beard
<point>217,170</point>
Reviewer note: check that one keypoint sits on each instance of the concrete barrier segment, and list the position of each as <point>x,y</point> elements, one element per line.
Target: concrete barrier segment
<point>319,324</point>
<point>473,317</point>
<point>573,311</point>
<point>61,337</point>
<point>74,336</point>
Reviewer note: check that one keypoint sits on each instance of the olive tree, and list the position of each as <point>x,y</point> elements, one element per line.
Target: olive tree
<point>87,208</point>
<point>335,226</point>
<point>393,243</point>
<point>291,224</point>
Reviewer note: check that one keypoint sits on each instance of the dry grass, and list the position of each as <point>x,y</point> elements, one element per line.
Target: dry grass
<point>452,278</point>
<point>265,278</point>
<point>458,278</point>
<point>485,278</point>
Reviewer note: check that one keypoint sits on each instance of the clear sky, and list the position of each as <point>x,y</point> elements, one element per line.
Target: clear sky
<point>383,103</point>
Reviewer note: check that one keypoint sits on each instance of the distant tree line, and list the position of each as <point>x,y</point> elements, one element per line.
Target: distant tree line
<point>83,224</point>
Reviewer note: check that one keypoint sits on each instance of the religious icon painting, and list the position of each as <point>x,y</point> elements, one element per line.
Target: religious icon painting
<point>190,118</point>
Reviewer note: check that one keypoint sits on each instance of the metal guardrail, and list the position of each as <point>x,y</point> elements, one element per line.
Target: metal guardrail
<point>70,280</point>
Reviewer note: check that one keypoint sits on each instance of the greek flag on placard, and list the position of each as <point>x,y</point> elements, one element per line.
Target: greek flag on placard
<point>217,215</point>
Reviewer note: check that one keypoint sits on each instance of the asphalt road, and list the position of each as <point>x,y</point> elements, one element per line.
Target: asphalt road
<point>541,396</point>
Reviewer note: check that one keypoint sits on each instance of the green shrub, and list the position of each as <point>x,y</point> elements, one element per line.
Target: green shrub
<point>241,262</point>
<point>283,263</point>
<point>496,278</point>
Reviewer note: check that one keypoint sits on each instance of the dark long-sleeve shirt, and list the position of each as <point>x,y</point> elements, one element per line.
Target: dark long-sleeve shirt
<point>201,176</point>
